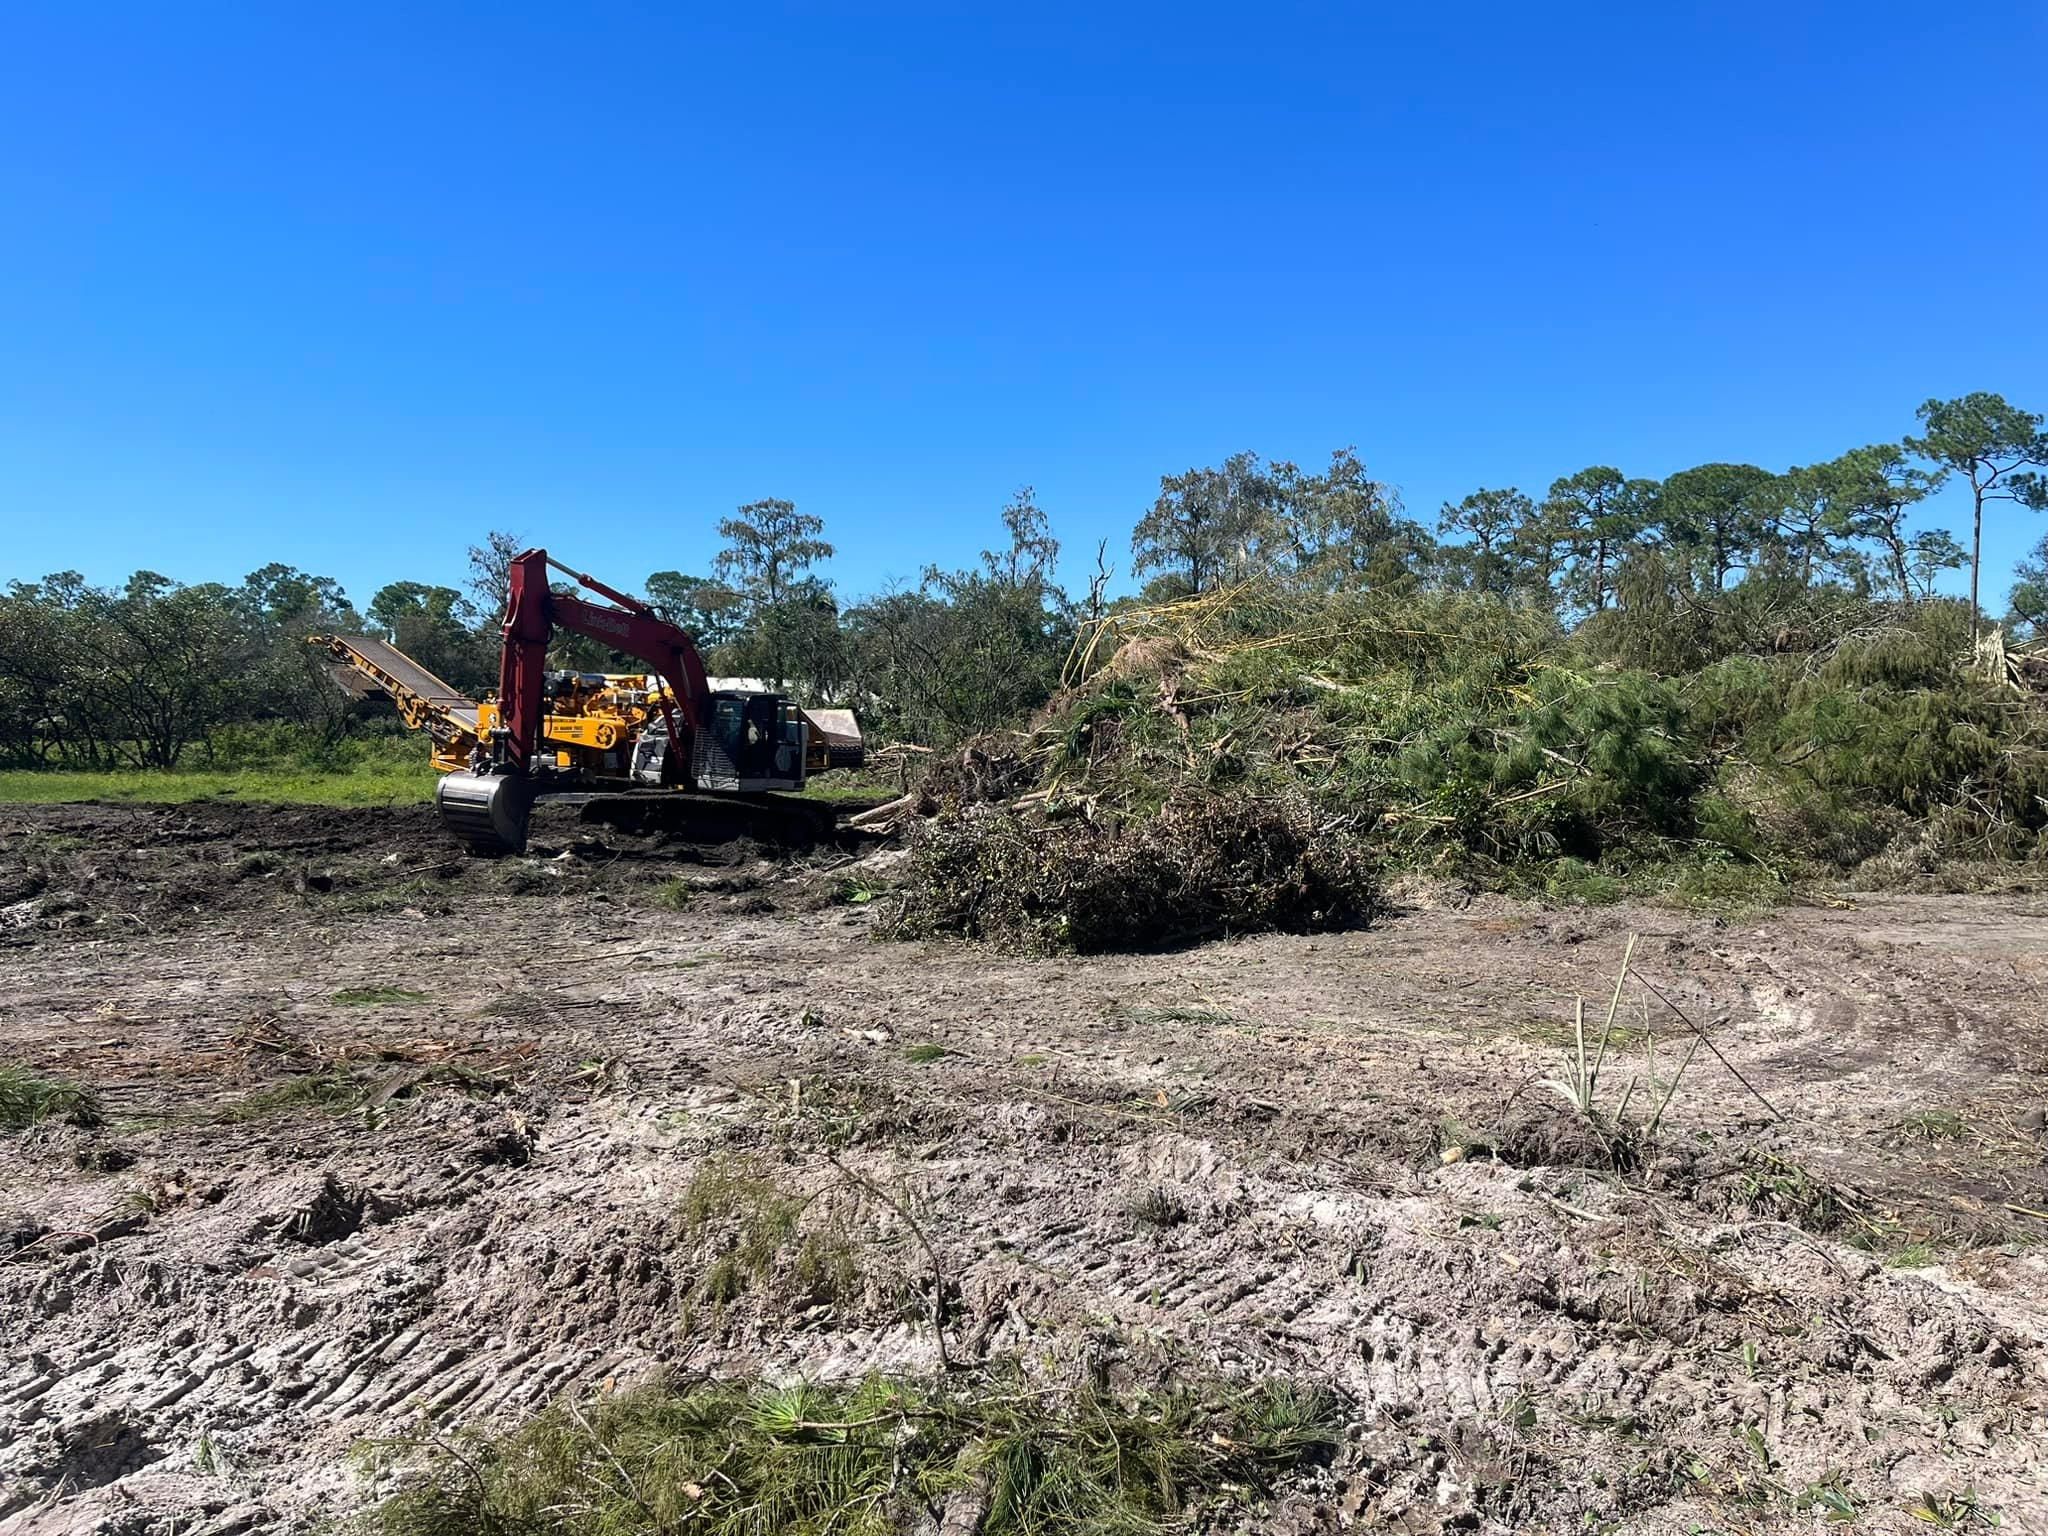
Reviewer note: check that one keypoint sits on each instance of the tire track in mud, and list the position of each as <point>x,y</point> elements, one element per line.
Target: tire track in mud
<point>1477,1316</point>
<point>1445,1303</point>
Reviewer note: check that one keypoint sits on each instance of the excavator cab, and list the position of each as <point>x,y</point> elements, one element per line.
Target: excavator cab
<point>750,742</point>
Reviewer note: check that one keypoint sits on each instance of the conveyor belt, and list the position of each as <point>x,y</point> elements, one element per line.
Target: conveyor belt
<point>382,660</point>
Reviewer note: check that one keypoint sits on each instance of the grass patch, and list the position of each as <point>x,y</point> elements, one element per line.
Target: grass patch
<point>28,1098</point>
<point>1557,1032</point>
<point>1208,1018</point>
<point>1725,888</point>
<point>334,1091</point>
<point>836,790</point>
<point>675,893</point>
<point>737,1211</point>
<point>378,997</point>
<point>736,1459</point>
<point>1935,1125</point>
<point>923,1055</point>
<point>373,784</point>
<point>1574,883</point>
<point>1159,1208</point>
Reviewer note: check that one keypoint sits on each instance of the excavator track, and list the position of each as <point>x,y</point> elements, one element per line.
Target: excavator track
<point>491,814</point>
<point>780,821</point>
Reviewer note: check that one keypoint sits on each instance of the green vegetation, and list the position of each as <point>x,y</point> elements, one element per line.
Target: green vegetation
<point>1935,1124</point>
<point>1954,1511</point>
<point>1475,737</point>
<point>1782,1190</point>
<point>378,996</point>
<point>335,1090</point>
<point>1159,1208</point>
<point>28,1098</point>
<point>736,1459</point>
<point>924,1055</point>
<point>756,1238</point>
<point>399,779</point>
<point>1578,1081</point>
<point>1207,1018</point>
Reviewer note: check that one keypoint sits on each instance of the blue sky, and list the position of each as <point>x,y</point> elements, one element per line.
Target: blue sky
<point>348,288</point>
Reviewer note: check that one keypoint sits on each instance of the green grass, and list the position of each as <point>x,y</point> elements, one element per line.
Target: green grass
<point>378,997</point>
<point>924,1055</point>
<point>1935,1124</point>
<point>832,789</point>
<point>746,1459</point>
<point>869,786</point>
<point>335,1090</point>
<point>378,784</point>
<point>28,1098</point>
<point>757,1230</point>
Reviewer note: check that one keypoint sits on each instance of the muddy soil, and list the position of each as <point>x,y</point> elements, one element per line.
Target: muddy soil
<point>396,1144</point>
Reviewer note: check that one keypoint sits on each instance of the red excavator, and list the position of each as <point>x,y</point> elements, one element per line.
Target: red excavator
<point>551,732</point>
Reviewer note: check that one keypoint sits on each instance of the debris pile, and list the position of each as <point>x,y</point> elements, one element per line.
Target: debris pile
<point>1477,738</point>
<point>1200,867</point>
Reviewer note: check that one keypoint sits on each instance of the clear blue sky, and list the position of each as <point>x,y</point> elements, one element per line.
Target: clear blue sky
<point>346,286</point>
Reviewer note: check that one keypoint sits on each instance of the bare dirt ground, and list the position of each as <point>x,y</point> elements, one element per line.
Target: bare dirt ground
<point>393,1139</point>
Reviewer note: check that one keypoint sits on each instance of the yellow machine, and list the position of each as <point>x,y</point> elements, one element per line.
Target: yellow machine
<point>598,729</point>
<point>552,734</point>
<point>592,720</point>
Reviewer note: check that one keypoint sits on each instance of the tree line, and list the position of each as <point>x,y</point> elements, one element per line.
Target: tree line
<point>136,675</point>
<point>1844,522</point>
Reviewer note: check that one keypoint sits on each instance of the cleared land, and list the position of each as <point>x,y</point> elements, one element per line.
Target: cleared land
<point>391,1144</point>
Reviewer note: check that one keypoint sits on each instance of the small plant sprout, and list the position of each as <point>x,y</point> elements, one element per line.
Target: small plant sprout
<point>1832,1496</point>
<point>1585,1064</point>
<point>1954,1511</point>
<point>1580,1083</point>
<point>1934,1125</point>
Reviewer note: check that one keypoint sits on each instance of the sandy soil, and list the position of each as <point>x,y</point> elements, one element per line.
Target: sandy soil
<point>1324,1158</point>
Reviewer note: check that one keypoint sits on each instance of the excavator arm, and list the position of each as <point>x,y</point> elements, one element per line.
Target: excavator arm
<point>533,613</point>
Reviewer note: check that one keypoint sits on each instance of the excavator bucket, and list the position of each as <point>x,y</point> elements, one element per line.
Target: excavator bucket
<point>487,812</point>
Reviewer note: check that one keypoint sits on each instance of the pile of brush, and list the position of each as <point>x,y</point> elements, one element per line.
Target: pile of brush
<point>1200,867</point>
<point>1220,764</point>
